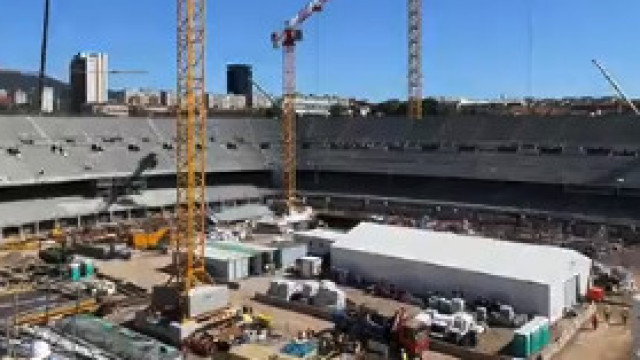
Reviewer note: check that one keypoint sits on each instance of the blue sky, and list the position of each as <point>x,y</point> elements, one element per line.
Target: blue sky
<point>472,48</point>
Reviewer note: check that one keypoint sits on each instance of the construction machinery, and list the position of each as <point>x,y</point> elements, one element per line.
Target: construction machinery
<point>398,331</point>
<point>287,39</point>
<point>144,240</point>
<point>616,87</point>
<point>415,59</point>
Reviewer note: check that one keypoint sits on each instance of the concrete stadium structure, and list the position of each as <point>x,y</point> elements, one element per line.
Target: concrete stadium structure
<point>565,166</point>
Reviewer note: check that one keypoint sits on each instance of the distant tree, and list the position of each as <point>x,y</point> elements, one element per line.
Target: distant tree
<point>430,107</point>
<point>273,112</point>
<point>337,110</point>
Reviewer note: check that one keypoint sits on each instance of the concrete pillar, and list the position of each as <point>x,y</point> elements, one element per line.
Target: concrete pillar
<point>36,228</point>
<point>128,214</point>
<point>22,235</point>
<point>79,221</point>
<point>110,216</point>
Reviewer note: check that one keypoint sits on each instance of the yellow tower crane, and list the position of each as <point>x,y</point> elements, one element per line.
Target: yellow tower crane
<point>190,148</point>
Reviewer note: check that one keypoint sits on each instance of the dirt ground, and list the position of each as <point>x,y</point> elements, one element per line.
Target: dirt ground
<point>144,270</point>
<point>609,342</point>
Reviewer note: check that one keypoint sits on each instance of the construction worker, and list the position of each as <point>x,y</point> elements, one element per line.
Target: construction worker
<point>594,321</point>
<point>624,314</point>
<point>607,313</point>
<point>403,355</point>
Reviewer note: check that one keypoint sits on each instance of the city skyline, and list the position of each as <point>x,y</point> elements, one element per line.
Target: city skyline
<point>336,54</point>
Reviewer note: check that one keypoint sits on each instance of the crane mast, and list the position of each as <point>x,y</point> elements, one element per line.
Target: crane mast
<point>190,146</point>
<point>615,86</point>
<point>287,39</point>
<point>415,59</point>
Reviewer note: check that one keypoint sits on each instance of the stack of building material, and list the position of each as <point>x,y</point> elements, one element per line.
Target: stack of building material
<point>283,289</point>
<point>457,305</point>
<point>310,289</point>
<point>445,306</point>
<point>310,267</point>
<point>329,296</point>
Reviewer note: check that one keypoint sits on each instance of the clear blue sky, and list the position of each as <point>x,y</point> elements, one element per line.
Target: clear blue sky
<point>473,48</point>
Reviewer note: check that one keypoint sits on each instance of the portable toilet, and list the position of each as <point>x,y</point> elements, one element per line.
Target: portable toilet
<point>545,326</point>
<point>88,268</point>
<point>521,343</point>
<point>541,333</point>
<point>536,336</point>
<point>74,272</point>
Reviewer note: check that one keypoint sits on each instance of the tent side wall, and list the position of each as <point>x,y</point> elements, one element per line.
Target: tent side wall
<point>419,277</point>
<point>557,300</point>
<point>583,267</point>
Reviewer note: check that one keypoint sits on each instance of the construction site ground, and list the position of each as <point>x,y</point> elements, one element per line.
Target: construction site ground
<point>491,342</point>
<point>609,342</point>
<point>148,269</point>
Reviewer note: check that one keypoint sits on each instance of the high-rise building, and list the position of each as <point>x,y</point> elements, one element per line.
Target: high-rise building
<point>240,81</point>
<point>47,100</point>
<point>227,102</point>
<point>168,98</point>
<point>20,97</point>
<point>89,78</point>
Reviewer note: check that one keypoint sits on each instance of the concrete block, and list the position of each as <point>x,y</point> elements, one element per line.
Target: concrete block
<point>205,299</point>
<point>165,298</point>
